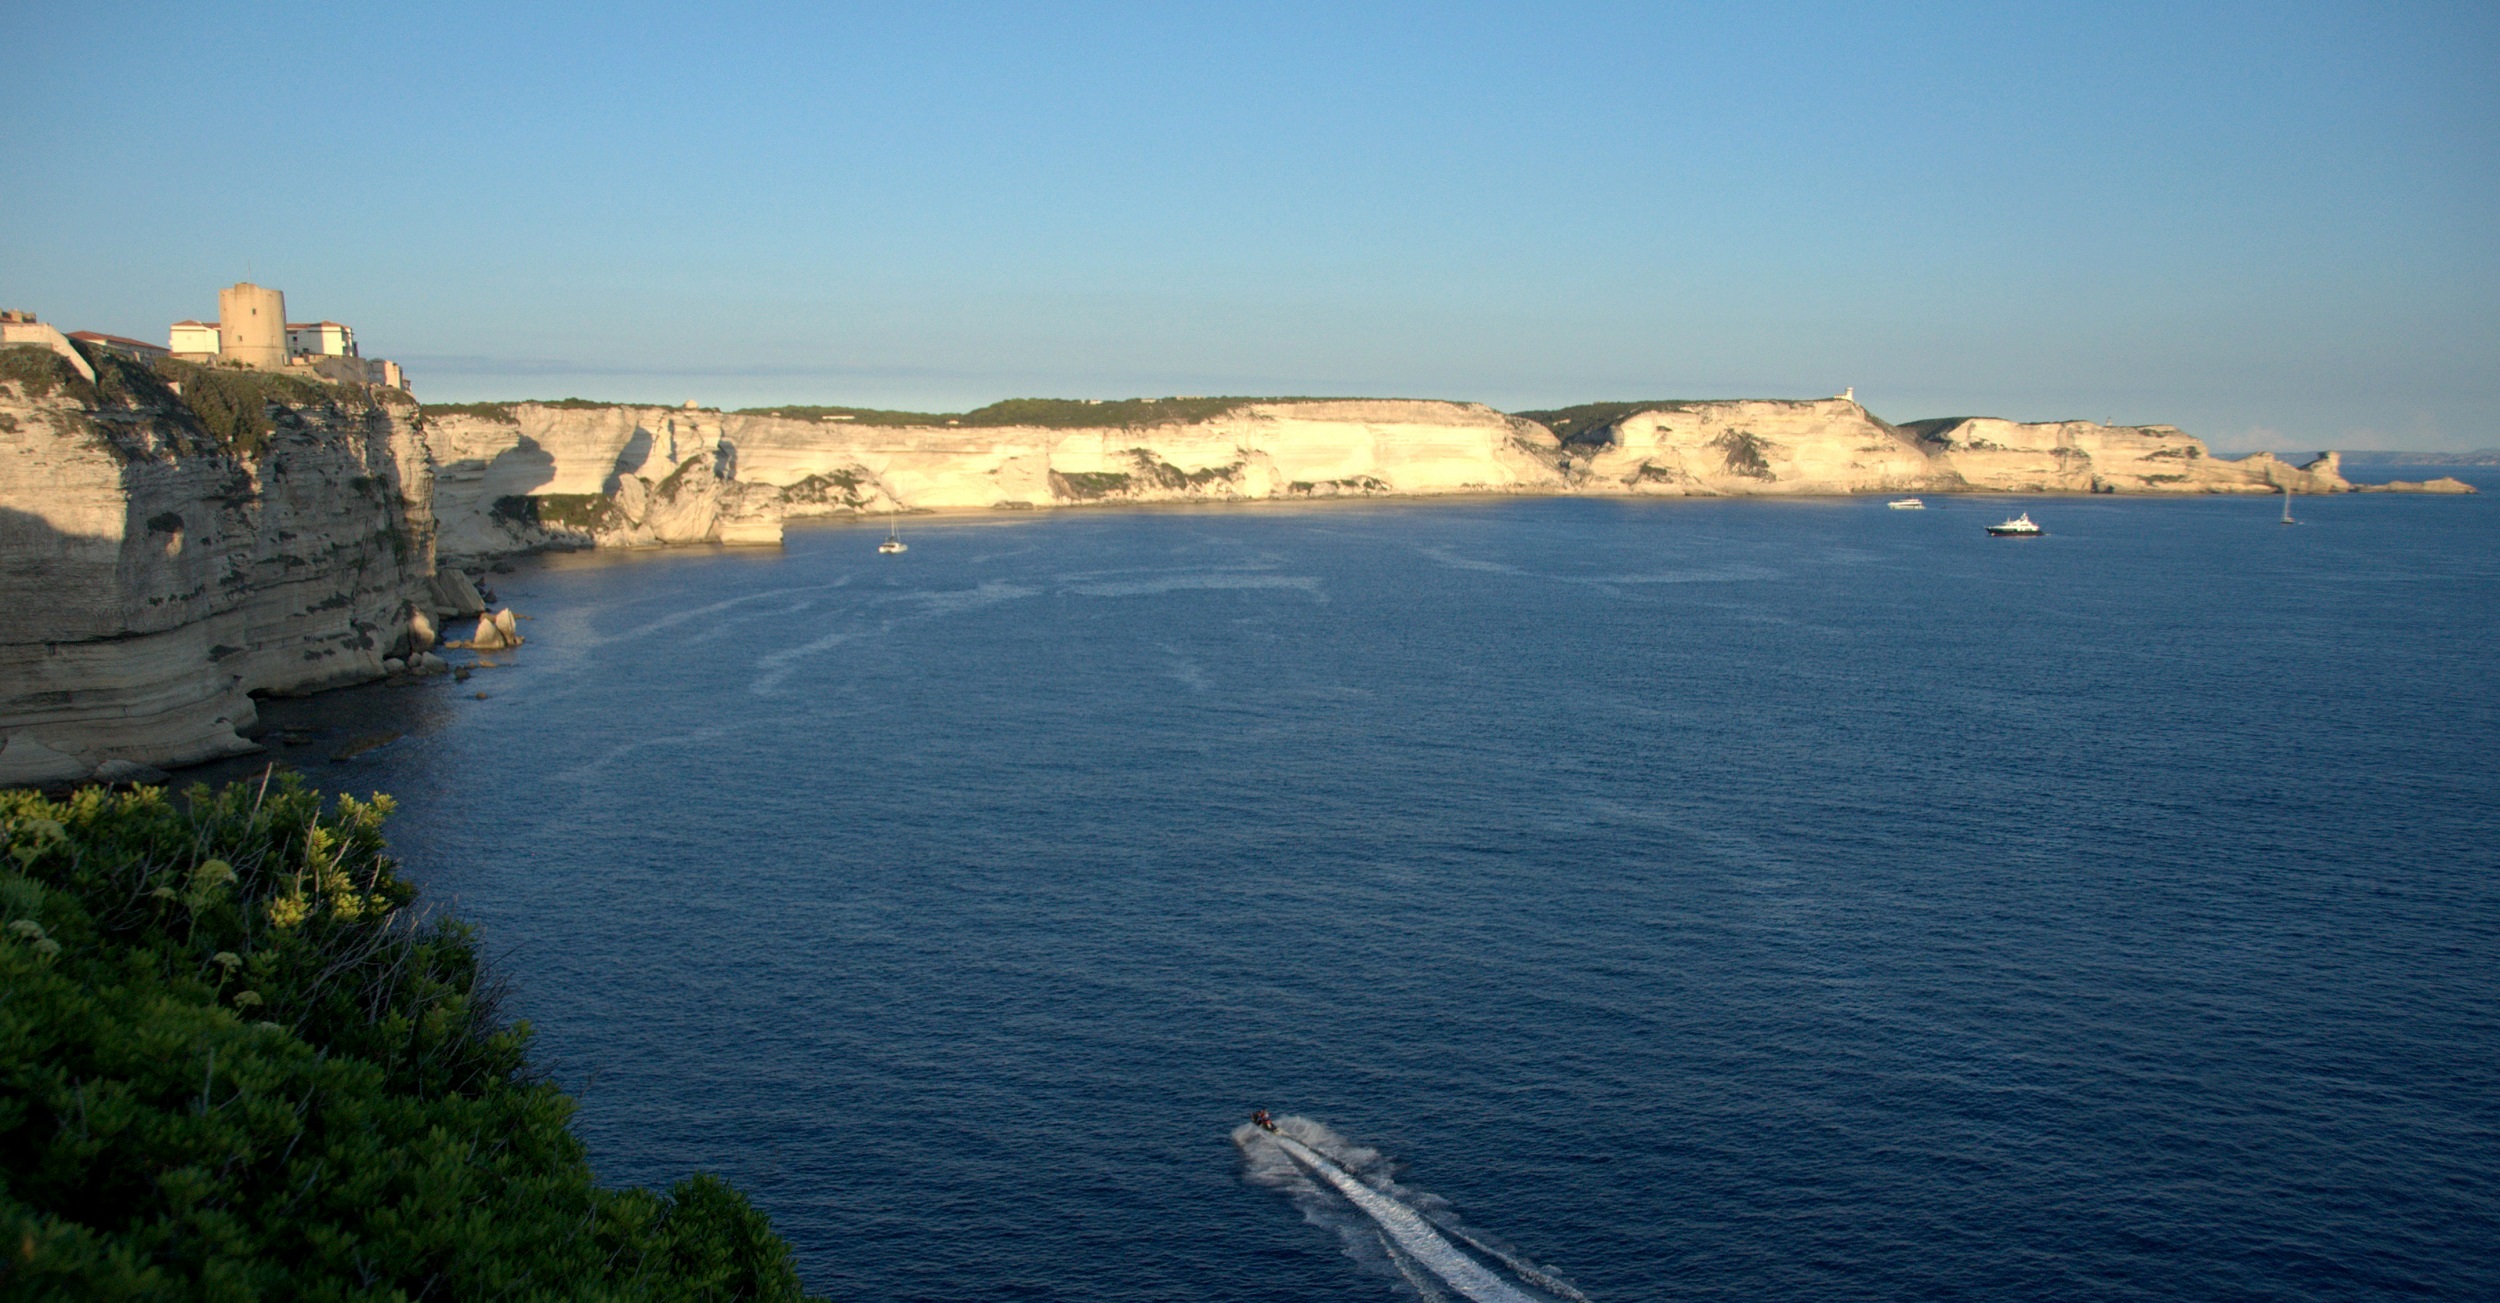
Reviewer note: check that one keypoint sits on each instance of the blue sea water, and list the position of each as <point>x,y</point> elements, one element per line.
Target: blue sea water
<point>1720,899</point>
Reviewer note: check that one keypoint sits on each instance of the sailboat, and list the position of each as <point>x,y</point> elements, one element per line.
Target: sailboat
<point>2287,506</point>
<point>893,538</point>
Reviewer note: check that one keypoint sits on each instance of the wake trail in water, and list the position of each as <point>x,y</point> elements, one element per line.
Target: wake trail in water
<point>1415,1246</point>
<point>1528,1271</point>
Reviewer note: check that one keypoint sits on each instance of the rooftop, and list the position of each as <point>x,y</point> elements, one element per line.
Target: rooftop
<point>118,341</point>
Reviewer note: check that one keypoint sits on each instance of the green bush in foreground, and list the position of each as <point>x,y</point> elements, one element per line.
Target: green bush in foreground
<point>234,1064</point>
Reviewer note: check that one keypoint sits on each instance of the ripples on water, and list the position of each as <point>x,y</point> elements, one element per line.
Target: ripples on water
<point>1712,900</point>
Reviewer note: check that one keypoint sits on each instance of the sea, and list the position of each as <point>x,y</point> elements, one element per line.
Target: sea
<point>1632,900</point>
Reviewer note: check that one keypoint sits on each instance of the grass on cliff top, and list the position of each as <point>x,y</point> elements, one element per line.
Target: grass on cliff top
<point>1594,423</point>
<point>1931,430</point>
<point>232,403</point>
<point>500,413</point>
<point>1046,413</point>
<point>236,1062</point>
<point>506,413</point>
<point>37,371</point>
<point>229,404</point>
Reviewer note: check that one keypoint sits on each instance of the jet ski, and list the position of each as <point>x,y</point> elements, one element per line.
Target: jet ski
<point>1259,1116</point>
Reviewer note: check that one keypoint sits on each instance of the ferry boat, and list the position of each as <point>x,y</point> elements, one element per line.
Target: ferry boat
<point>1906,504</point>
<point>2019,527</point>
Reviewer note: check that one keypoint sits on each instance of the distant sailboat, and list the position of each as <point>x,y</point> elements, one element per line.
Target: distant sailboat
<point>2287,506</point>
<point>893,538</point>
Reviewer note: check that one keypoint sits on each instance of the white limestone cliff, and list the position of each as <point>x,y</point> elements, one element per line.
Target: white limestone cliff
<point>155,573</point>
<point>1756,447</point>
<point>153,576</point>
<point>538,475</point>
<point>627,477</point>
<point>2084,457</point>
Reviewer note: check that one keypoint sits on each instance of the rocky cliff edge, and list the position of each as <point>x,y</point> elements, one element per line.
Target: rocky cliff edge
<point>175,539</point>
<point>530,475</point>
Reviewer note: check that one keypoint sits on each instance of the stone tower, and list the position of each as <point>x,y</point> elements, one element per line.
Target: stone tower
<point>251,325</point>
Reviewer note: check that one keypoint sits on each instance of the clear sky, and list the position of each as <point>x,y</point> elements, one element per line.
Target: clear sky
<point>2272,224</point>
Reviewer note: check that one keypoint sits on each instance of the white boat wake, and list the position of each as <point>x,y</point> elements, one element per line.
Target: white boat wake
<point>1413,1242</point>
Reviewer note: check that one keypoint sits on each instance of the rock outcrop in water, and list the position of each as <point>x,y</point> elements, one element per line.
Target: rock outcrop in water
<point>2444,484</point>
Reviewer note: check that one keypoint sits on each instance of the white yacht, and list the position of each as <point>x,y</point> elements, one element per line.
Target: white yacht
<point>2019,527</point>
<point>1906,504</point>
<point>893,538</point>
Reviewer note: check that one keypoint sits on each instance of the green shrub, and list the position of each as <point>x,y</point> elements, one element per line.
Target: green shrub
<point>856,415</point>
<point>1742,451</point>
<point>1076,413</point>
<point>499,413</point>
<point>232,403</point>
<point>579,404</point>
<point>581,511</point>
<point>1082,485</point>
<point>234,1064</point>
<point>1593,424</point>
<point>585,512</point>
<point>38,371</point>
<point>1046,413</point>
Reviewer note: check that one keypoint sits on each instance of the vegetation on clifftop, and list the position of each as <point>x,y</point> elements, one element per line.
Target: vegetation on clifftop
<point>582,512</point>
<point>507,413</point>
<point>232,403</point>
<point>1593,424</point>
<point>235,1064</point>
<point>499,413</point>
<point>230,406</point>
<point>37,371</point>
<point>1045,413</point>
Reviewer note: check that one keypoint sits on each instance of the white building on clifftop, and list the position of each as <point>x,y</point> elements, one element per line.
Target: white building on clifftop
<point>319,339</point>
<point>193,341</point>
<point>252,330</point>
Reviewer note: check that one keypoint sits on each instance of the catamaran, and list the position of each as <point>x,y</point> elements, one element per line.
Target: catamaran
<point>893,538</point>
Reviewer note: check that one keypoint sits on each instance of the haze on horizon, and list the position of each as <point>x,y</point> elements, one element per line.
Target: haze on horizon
<point>2269,224</point>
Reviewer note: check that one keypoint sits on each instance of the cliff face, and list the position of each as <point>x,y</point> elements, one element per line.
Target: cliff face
<point>1836,446</point>
<point>626,476</point>
<point>1757,446</point>
<point>577,475</point>
<point>165,551</point>
<point>536,476</point>
<point>2081,457</point>
<point>153,573</point>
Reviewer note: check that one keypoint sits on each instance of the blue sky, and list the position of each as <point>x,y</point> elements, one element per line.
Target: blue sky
<point>2271,224</point>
